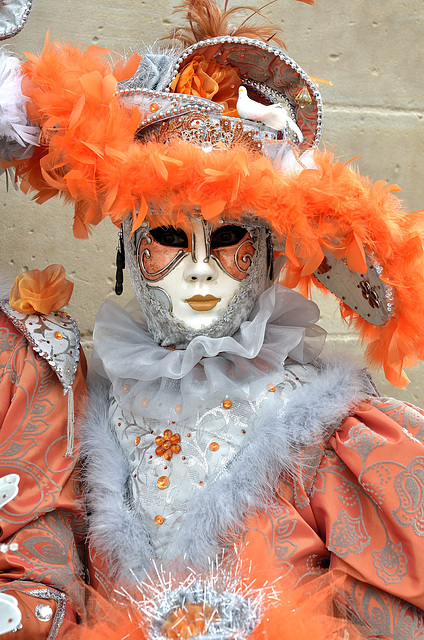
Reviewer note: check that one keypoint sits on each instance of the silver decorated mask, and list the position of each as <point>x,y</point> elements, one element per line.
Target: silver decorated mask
<point>196,277</point>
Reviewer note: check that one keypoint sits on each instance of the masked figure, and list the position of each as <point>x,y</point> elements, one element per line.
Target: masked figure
<point>215,429</point>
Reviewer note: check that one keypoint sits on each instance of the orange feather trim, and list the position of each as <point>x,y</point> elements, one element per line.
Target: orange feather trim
<point>72,97</point>
<point>89,156</point>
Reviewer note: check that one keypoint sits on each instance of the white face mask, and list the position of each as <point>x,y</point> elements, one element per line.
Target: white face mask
<point>196,268</point>
<point>197,278</point>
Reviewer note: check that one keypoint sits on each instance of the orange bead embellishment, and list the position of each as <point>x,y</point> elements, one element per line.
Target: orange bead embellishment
<point>58,335</point>
<point>137,440</point>
<point>163,482</point>
<point>214,446</point>
<point>158,519</point>
<point>227,404</point>
<point>270,387</point>
<point>154,107</point>
<point>168,444</point>
<point>145,402</point>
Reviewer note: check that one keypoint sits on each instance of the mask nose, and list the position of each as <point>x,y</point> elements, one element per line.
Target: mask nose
<point>198,266</point>
<point>200,271</point>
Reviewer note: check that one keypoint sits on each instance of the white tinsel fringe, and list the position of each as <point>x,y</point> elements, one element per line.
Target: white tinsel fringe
<point>17,135</point>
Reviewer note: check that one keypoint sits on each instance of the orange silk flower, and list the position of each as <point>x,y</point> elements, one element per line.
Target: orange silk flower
<point>41,291</point>
<point>212,80</point>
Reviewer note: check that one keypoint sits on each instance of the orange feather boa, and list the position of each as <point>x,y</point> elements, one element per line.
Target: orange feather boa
<point>89,156</point>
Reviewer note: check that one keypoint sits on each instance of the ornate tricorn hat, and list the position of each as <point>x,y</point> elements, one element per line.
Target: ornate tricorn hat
<point>121,137</point>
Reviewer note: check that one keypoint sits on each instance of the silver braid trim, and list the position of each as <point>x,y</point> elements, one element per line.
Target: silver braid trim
<point>60,598</point>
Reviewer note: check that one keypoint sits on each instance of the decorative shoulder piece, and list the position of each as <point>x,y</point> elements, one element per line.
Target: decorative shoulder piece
<point>54,337</point>
<point>33,308</point>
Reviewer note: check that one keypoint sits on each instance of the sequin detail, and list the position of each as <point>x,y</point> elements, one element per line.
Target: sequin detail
<point>163,482</point>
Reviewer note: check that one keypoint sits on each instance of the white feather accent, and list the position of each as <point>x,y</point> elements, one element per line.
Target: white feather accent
<point>17,135</point>
<point>287,160</point>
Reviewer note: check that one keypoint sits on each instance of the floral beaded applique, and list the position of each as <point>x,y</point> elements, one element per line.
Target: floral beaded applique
<point>168,444</point>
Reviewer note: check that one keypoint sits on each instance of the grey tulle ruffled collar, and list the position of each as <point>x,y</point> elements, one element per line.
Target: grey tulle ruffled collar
<point>157,382</point>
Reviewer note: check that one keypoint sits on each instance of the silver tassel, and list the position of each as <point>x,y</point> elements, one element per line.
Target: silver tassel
<point>70,430</point>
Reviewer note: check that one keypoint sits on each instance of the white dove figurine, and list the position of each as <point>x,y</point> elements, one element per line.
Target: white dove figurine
<point>273,115</point>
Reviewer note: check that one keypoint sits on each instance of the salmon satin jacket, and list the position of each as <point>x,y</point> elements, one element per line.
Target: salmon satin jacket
<point>355,504</point>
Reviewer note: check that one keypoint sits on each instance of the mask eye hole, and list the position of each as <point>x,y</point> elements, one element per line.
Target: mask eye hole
<point>170,237</point>
<point>227,236</point>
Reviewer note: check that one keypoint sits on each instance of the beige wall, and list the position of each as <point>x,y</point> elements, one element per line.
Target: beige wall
<point>370,49</point>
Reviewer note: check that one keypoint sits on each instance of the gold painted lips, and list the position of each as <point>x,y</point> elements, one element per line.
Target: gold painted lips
<point>202,303</point>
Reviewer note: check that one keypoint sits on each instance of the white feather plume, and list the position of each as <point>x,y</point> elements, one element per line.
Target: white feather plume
<point>17,135</point>
<point>287,160</point>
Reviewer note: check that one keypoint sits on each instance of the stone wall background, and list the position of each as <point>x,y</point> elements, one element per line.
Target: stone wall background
<point>371,50</point>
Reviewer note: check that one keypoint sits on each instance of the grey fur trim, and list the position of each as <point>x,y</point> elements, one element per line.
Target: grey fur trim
<point>154,71</point>
<point>114,527</point>
<point>310,415</point>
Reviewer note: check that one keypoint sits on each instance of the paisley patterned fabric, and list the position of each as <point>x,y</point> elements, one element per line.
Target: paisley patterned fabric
<point>356,506</point>
<point>42,528</point>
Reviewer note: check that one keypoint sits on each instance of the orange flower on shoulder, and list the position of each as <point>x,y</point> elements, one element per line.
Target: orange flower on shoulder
<point>212,80</point>
<point>41,291</point>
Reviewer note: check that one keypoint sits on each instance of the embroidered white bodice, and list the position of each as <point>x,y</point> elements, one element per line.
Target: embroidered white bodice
<point>162,490</point>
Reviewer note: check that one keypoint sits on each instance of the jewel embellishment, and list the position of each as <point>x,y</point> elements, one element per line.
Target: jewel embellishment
<point>303,98</point>
<point>168,444</point>
<point>163,482</point>
<point>370,294</point>
<point>43,612</point>
<point>227,404</point>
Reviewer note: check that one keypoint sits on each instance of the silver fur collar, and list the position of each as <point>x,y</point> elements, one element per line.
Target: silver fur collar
<point>310,415</point>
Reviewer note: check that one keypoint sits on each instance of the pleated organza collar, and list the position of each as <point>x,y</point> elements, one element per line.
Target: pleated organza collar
<point>162,383</point>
